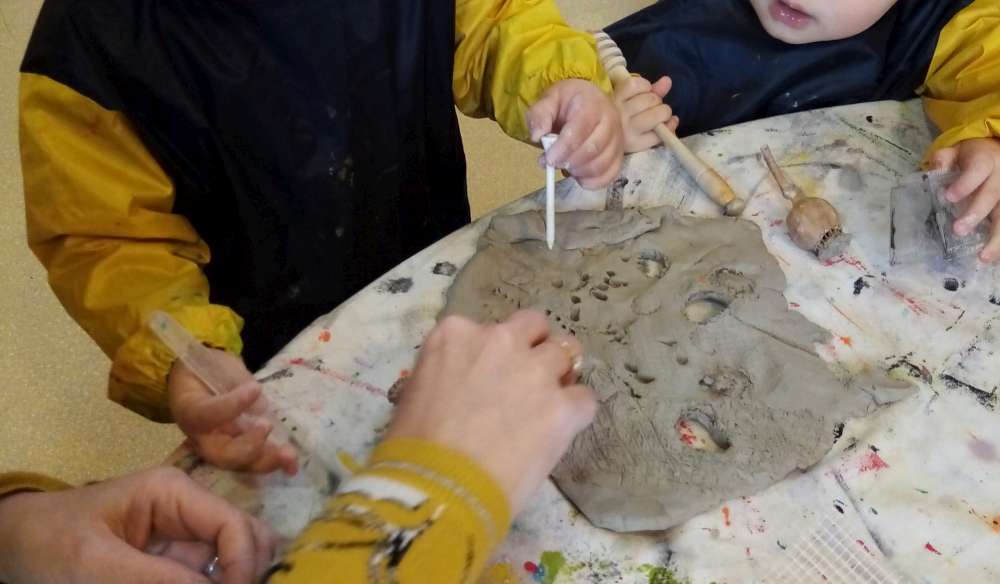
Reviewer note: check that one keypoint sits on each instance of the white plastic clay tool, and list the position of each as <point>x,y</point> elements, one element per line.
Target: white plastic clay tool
<point>200,361</point>
<point>550,194</point>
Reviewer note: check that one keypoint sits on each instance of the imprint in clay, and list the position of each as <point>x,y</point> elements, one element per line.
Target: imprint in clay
<point>710,387</point>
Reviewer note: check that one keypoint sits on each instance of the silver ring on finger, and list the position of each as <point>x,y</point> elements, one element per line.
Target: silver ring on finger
<point>211,567</point>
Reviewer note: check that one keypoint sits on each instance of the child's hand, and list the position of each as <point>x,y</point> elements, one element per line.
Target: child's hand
<point>979,182</point>
<point>590,144</point>
<point>642,108</point>
<point>212,423</point>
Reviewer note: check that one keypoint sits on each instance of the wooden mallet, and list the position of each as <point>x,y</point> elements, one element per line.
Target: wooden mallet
<point>707,178</point>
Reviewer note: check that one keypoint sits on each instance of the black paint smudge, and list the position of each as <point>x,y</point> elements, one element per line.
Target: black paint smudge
<point>616,194</point>
<point>279,374</point>
<point>951,284</point>
<point>444,269</point>
<point>838,431</point>
<point>839,506</point>
<point>987,399</point>
<point>995,300</point>
<point>871,119</point>
<point>396,286</point>
<point>874,512</point>
<point>873,448</point>
<point>860,285</point>
<point>782,546</point>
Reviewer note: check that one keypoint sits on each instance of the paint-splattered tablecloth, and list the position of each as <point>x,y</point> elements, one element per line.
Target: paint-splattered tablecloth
<point>908,494</point>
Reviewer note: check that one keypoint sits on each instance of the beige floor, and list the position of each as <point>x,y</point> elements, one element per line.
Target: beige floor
<point>54,417</point>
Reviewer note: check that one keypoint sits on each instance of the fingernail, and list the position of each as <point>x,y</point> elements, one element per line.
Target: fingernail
<point>987,256</point>
<point>951,195</point>
<point>577,364</point>
<point>963,228</point>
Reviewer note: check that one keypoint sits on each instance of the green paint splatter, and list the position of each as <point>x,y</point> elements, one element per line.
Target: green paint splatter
<point>552,562</point>
<point>661,575</point>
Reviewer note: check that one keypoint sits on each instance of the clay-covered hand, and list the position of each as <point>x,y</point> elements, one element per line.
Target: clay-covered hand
<point>506,395</point>
<point>590,144</point>
<point>213,424</point>
<point>978,184</point>
<point>642,109</point>
<point>157,526</point>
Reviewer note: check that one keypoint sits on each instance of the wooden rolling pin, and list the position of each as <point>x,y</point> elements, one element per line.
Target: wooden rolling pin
<point>707,178</point>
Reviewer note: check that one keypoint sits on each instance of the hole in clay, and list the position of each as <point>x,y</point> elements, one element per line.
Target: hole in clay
<point>731,382</point>
<point>653,263</point>
<point>701,431</point>
<point>704,306</point>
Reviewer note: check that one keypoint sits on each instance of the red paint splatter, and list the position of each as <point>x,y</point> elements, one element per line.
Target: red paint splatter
<point>297,361</point>
<point>912,304</point>
<point>530,567</point>
<point>725,516</point>
<point>748,552</point>
<point>931,548</point>
<point>795,305</point>
<point>847,341</point>
<point>872,461</point>
<point>325,336</point>
<point>685,433</point>
<point>404,373</point>
<point>853,262</point>
<point>995,524</point>
<point>865,547</point>
<point>372,389</point>
<point>777,223</point>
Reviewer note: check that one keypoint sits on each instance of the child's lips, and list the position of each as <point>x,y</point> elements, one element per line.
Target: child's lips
<point>789,15</point>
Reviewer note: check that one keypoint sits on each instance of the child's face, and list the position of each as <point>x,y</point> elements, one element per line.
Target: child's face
<point>809,21</point>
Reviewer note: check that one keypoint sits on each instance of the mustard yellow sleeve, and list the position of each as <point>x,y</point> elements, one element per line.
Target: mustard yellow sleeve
<point>418,513</point>
<point>15,482</point>
<point>99,219</point>
<point>962,90</point>
<point>508,52</point>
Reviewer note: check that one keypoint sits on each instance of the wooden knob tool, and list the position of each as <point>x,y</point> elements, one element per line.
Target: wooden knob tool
<point>710,181</point>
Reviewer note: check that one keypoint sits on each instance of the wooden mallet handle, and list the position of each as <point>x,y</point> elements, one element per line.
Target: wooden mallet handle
<point>707,178</point>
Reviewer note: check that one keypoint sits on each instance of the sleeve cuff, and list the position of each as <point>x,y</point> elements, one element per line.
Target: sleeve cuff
<point>138,378</point>
<point>17,482</point>
<point>448,474</point>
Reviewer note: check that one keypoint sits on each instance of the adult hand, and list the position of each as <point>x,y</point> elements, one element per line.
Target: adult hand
<point>213,424</point>
<point>978,185</point>
<point>641,105</point>
<point>101,533</point>
<point>590,144</point>
<point>505,395</point>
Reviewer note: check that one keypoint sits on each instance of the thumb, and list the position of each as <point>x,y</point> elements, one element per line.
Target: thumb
<point>662,87</point>
<point>124,563</point>
<point>944,159</point>
<point>543,114</point>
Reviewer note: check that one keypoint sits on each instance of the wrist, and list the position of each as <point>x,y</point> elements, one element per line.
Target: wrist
<point>12,508</point>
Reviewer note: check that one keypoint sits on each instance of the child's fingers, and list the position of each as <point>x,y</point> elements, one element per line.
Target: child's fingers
<point>578,125</point>
<point>662,86</point>
<point>197,412</point>
<point>542,115</point>
<point>641,103</point>
<point>673,124</point>
<point>643,142</point>
<point>649,119</point>
<point>600,171</point>
<point>944,159</point>
<point>594,145</point>
<point>984,202</point>
<point>991,252</point>
<point>977,166</point>
<point>236,453</point>
<point>632,87</point>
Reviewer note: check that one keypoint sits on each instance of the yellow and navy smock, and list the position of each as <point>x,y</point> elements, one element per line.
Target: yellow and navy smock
<point>727,69</point>
<point>248,165</point>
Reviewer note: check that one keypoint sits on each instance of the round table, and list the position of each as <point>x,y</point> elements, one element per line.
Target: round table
<point>906,494</point>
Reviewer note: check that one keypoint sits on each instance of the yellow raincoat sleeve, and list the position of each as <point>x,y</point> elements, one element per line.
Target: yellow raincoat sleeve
<point>508,52</point>
<point>962,90</point>
<point>99,219</point>
<point>418,513</point>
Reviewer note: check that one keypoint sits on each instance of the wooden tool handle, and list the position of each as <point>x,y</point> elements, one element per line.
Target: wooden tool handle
<point>707,178</point>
